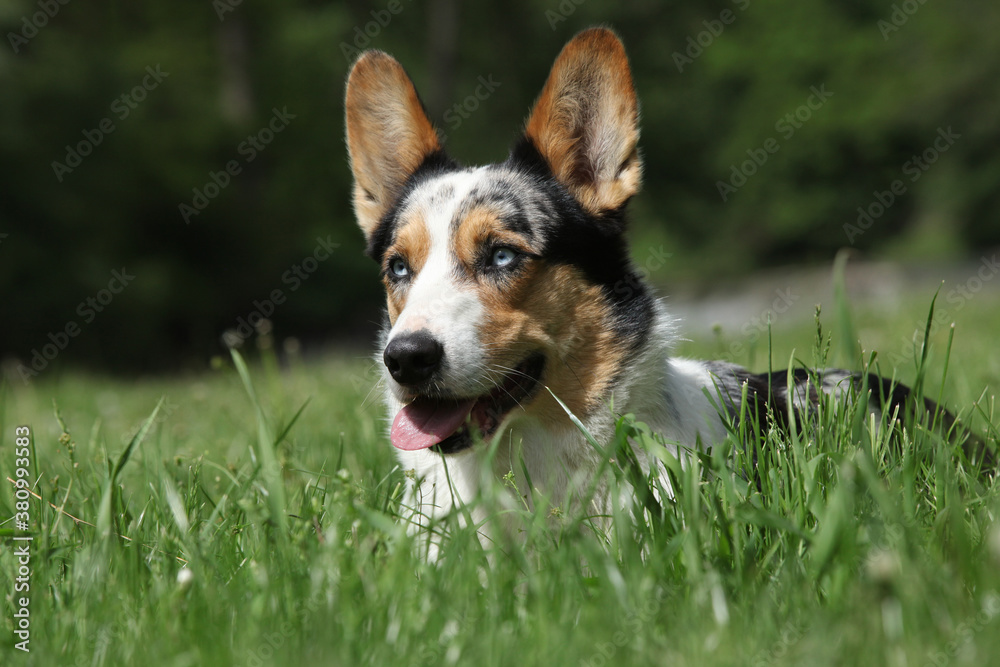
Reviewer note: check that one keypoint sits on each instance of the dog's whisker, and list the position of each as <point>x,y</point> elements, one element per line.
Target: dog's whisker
<point>369,398</point>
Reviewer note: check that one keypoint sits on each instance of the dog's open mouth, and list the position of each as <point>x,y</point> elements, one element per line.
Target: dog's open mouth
<point>443,423</point>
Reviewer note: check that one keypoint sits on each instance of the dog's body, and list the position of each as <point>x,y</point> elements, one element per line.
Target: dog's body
<point>510,283</point>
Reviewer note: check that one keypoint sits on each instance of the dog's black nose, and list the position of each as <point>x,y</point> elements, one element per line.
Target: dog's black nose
<point>412,358</point>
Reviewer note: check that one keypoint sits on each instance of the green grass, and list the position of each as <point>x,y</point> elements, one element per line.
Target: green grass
<point>275,492</point>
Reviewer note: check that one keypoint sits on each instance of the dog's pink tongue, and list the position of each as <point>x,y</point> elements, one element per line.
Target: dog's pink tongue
<point>426,422</point>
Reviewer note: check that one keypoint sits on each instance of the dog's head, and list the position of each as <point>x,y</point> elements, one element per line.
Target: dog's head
<point>507,278</point>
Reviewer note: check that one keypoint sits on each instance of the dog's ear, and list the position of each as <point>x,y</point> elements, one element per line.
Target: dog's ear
<point>388,134</point>
<point>586,121</point>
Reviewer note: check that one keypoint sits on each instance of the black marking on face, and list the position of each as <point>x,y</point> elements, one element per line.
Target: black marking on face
<point>435,164</point>
<point>442,195</point>
<point>516,220</point>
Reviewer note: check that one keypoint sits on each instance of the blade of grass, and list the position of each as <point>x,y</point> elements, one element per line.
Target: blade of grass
<point>918,384</point>
<point>849,344</point>
<point>105,521</point>
<point>270,469</point>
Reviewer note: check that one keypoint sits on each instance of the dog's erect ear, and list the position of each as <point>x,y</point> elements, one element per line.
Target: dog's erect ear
<point>586,121</point>
<point>388,134</point>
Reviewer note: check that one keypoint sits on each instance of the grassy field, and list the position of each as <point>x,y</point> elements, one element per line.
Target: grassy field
<point>219,519</point>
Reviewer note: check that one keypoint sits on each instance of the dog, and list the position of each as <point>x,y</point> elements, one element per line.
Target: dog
<point>514,313</point>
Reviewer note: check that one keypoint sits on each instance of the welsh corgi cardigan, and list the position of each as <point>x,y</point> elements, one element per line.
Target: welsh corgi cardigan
<point>510,284</point>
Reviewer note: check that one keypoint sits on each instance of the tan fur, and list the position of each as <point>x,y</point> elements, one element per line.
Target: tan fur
<point>553,308</point>
<point>478,227</point>
<point>395,301</point>
<point>586,121</point>
<point>413,244</point>
<point>388,134</point>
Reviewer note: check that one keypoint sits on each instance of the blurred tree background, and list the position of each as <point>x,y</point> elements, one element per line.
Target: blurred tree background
<point>114,114</point>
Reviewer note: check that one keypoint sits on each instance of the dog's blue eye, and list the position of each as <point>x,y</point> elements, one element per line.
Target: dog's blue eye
<point>399,268</point>
<point>503,256</point>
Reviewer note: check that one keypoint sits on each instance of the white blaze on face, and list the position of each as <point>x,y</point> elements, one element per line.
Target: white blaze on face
<point>437,301</point>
